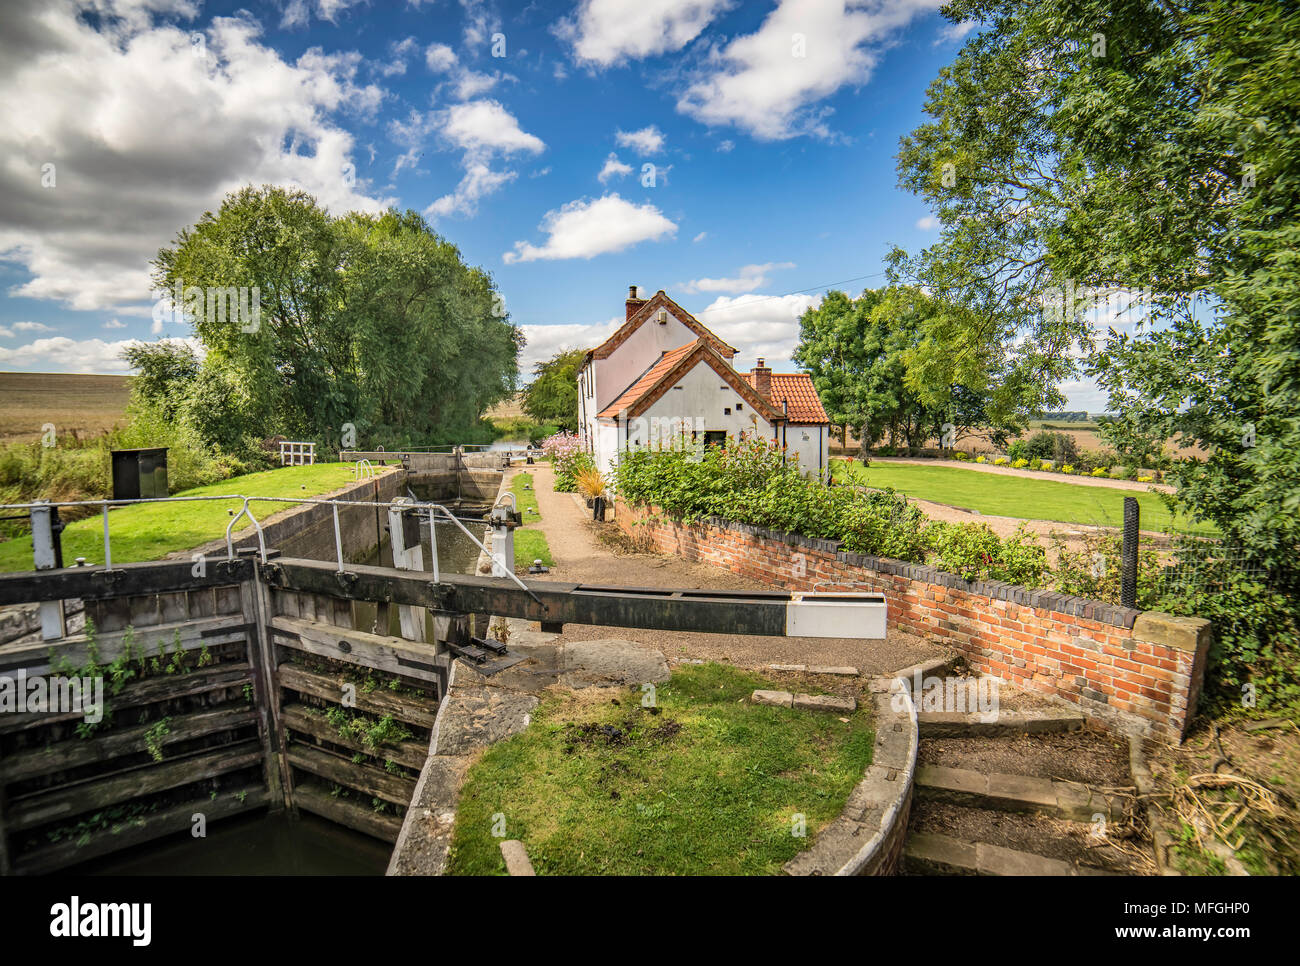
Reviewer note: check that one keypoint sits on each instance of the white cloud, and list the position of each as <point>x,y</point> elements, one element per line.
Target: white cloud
<point>613,168</point>
<point>584,229</point>
<point>766,82</point>
<point>605,32</point>
<point>479,182</point>
<point>440,58</point>
<point>61,354</point>
<point>544,341</point>
<point>485,127</point>
<point>725,147</point>
<point>298,13</point>
<point>758,325</point>
<point>700,237</point>
<point>955,31</point>
<point>648,140</point>
<point>31,327</point>
<point>749,277</point>
<point>113,324</point>
<point>927,223</point>
<point>481,21</point>
<point>233,112</point>
<point>398,52</point>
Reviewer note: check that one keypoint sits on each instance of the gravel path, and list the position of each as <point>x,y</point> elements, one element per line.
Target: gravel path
<point>582,557</point>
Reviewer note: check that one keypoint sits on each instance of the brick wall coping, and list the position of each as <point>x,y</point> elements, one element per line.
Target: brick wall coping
<point>997,589</point>
<point>866,838</point>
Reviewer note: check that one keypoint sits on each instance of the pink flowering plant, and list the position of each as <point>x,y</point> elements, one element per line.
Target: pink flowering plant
<point>567,453</point>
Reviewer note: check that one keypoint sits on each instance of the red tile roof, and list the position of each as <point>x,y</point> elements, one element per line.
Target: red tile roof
<point>648,379</point>
<point>645,313</point>
<point>798,390</point>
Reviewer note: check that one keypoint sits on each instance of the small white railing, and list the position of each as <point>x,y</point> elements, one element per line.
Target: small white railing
<point>296,453</point>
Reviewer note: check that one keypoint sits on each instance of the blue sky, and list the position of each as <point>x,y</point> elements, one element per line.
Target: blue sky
<point>522,131</point>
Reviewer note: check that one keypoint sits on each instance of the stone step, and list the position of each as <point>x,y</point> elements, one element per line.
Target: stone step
<point>1016,793</point>
<point>929,853</point>
<point>972,724</point>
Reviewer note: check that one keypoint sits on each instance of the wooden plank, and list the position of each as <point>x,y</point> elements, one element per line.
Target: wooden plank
<point>348,813</point>
<point>410,753</point>
<point>255,601</point>
<point>68,801</point>
<point>124,580</point>
<point>341,771</point>
<point>391,654</point>
<point>138,831</point>
<point>329,687</point>
<point>74,752</point>
<point>194,635</point>
<point>161,687</point>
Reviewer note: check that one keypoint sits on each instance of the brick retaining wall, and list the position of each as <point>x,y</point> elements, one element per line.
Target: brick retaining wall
<point>1142,671</point>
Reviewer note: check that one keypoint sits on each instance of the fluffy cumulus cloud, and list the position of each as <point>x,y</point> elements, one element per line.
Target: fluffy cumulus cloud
<point>767,82</point>
<point>748,278</point>
<point>180,119</point>
<point>607,32</point>
<point>758,325</point>
<point>927,223</point>
<point>62,354</point>
<point>299,13</point>
<point>584,229</point>
<point>481,130</point>
<point>544,341</point>
<point>648,140</point>
<point>613,168</point>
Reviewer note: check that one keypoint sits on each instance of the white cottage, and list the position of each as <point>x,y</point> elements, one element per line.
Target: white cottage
<point>663,378</point>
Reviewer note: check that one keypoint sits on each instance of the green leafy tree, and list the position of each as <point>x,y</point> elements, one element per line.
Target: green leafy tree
<point>1087,146</point>
<point>368,320</point>
<point>552,397</point>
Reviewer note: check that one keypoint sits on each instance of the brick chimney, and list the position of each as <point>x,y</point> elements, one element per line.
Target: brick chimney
<point>763,380</point>
<point>633,303</point>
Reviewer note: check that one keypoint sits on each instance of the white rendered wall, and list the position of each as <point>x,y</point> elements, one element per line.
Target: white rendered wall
<point>638,353</point>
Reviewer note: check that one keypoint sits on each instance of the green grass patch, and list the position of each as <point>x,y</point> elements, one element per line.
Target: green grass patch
<point>704,784</point>
<point>1002,494</point>
<point>525,499</point>
<point>151,531</point>
<point>531,545</point>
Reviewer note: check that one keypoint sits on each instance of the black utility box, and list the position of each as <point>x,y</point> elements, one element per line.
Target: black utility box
<point>139,474</point>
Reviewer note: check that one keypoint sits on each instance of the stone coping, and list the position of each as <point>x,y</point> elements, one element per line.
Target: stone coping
<point>997,589</point>
<point>867,836</point>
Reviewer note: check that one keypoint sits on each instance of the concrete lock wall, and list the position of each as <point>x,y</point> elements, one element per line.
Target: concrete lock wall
<point>1142,671</point>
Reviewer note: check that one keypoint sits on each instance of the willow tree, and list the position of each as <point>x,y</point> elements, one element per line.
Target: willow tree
<point>372,321</point>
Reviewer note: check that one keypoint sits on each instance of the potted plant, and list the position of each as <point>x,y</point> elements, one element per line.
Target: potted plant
<point>591,484</point>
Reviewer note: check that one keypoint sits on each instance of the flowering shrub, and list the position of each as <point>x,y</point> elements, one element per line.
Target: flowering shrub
<point>981,459</point>
<point>1144,479</point>
<point>568,454</point>
<point>1067,468</point>
<point>1001,461</point>
<point>1101,471</point>
<point>1020,464</point>
<point>959,455</point>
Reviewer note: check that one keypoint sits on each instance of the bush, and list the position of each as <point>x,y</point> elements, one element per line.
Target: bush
<point>568,454</point>
<point>1058,447</point>
<point>1020,464</point>
<point>1067,468</point>
<point>1036,464</point>
<point>981,459</point>
<point>748,482</point>
<point>1101,471</point>
<point>1001,461</point>
<point>959,455</point>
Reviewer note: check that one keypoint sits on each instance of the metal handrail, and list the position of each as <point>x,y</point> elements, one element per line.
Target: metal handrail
<point>261,539</point>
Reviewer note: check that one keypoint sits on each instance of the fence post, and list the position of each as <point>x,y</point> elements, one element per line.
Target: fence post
<point>1129,554</point>
<point>47,551</point>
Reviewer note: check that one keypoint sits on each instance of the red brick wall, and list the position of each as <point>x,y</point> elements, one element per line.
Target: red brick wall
<point>1141,671</point>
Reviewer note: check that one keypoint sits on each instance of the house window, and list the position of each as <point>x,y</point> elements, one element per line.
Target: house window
<point>715,437</point>
<point>739,406</point>
<point>726,411</point>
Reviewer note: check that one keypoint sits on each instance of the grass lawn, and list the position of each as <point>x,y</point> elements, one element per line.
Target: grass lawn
<point>151,531</point>
<point>704,784</point>
<point>1005,495</point>
<point>530,544</point>
<point>525,500</point>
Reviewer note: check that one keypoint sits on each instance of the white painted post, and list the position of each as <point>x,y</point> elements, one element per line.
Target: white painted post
<point>503,542</point>
<point>406,558</point>
<point>53,625</point>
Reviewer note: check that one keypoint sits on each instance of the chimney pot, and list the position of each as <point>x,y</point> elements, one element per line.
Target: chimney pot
<point>633,303</point>
<point>631,291</point>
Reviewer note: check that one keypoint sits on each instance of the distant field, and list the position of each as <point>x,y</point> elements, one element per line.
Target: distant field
<point>512,408</point>
<point>86,405</point>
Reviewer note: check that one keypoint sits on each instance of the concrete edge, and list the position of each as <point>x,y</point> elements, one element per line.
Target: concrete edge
<point>1161,843</point>
<point>885,827</point>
